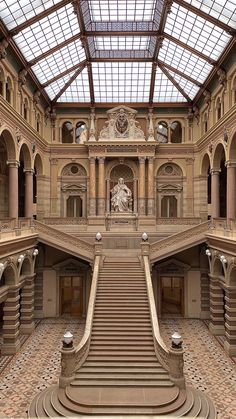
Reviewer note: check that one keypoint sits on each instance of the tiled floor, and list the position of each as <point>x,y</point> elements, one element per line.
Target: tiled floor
<point>37,365</point>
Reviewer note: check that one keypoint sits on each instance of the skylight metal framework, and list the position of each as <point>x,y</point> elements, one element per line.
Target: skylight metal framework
<point>104,51</point>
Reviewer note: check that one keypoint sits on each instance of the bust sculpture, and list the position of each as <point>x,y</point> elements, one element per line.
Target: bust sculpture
<point>121,197</point>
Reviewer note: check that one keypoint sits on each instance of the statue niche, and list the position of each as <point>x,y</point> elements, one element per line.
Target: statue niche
<point>121,197</point>
<point>121,124</point>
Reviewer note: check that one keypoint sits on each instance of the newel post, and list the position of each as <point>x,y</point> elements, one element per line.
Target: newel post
<point>145,245</point>
<point>176,361</point>
<point>67,360</point>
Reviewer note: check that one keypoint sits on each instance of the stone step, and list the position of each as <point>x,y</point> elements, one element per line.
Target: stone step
<point>128,365</point>
<point>122,352</point>
<point>122,383</point>
<point>126,338</point>
<point>123,376</point>
<point>122,316</point>
<point>126,358</point>
<point>122,332</point>
<point>127,370</point>
<point>120,347</point>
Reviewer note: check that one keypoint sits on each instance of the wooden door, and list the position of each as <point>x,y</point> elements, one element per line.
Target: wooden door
<point>172,295</point>
<point>71,296</point>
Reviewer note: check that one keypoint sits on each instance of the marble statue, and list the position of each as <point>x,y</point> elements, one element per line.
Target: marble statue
<point>121,197</point>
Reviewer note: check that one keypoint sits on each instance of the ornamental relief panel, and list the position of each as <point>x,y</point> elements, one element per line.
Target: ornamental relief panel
<point>121,124</point>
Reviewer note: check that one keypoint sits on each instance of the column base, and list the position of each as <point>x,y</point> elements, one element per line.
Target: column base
<point>216,330</point>
<point>230,349</point>
<point>27,329</point>
<point>10,348</point>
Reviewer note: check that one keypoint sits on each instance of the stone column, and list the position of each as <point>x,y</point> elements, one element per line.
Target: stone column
<point>13,189</point>
<point>230,321</point>
<point>53,184</point>
<point>135,198</point>
<point>141,198</point>
<point>231,190</point>
<point>27,306</point>
<point>11,342</point>
<point>217,322</point>
<point>108,194</point>
<point>150,204</point>
<point>92,185</point>
<point>215,193</point>
<point>28,193</point>
<point>38,294</point>
<point>189,187</point>
<point>101,186</point>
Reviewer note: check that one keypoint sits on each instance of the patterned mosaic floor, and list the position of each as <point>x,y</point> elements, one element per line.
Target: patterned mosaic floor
<point>37,365</point>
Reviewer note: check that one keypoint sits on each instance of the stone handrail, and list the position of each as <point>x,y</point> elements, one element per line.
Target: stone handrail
<point>170,359</point>
<point>65,221</point>
<point>60,239</point>
<point>178,221</point>
<point>72,359</point>
<point>178,241</point>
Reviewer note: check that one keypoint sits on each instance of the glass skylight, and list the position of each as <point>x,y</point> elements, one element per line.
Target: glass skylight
<point>196,32</point>
<point>57,85</point>
<point>190,88</point>
<point>78,91</point>
<point>48,32</point>
<point>122,42</point>
<point>165,91</point>
<point>121,10</point>
<point>61,60</point>
<point>184,61</point>
<point>121,81</point>
<point>223,10</point>
<point>15,12</point>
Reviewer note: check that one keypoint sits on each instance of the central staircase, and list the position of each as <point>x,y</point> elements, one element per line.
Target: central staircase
<point>121,373</point>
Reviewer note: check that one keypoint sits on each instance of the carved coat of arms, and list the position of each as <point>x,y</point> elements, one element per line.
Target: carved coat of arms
<point>121,124</point>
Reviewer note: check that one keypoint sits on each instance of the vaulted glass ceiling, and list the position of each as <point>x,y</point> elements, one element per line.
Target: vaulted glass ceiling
<point>104,51</point>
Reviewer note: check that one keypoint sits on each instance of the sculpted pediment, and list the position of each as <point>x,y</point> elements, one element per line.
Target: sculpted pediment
<point>169,187</point>
<point>74,188</point>
<point>121,125</point>
<point>69,264</point>
<point>173,265</point>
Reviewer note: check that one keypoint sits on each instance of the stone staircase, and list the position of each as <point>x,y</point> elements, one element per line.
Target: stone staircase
<point>121,374</point>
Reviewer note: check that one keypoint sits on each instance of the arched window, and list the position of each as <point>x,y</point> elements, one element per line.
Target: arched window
<point>8,90</point>
<point>25,109</point>
<point>162,132</point>
<point>176,132</point>
<point>169,206</point>
<point>67,132</point>
<point>218,109</point>
<point>38,123</point>
<point>74,207</point>
<point>1,81</point>
<point>205,123</point>
<point>80,130</point>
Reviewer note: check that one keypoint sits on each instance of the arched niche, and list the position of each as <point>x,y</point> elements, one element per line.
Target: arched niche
<point>25,164</point>
<point>232,277</point>
<point>232,148</point>
<point>206,181</point>
<point>169,191</point>
<point>10,275</point>
<point>8,138</point>
<point>4,180</point>
<point>38,186</point>
<point>217,269</point>
<point>80,132</point>
<point>26,267</point>
<point>124,171</point>
<point>25,109</point>
<point>176,132</point>
<point>9,90</point>
<point>74,191</point>
<point>67,132</point>
<point>219,164</point>
<point>162,132</point>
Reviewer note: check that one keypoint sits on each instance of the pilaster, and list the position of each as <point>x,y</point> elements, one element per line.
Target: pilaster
<point>27,306</point>
<point>216,308</point>
<point>11,324</point>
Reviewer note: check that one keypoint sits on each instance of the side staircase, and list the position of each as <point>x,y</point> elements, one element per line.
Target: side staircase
<point>121,373</point>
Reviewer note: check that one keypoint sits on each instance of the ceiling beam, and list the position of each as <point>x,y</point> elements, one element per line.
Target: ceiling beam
<point>54,49</point>
<point>165,11</point>
<point>84,40</point>
<point>121,60</point>
<point>64,73</point>
<point>38,17</point>
<point>206,16</point>
<point>121,33</point>
<point>180,73</point>
<point>168,105</point>
<point>152,84</point>
<point>178,87</point>
<point>190,49</point>
<point>63,89</point>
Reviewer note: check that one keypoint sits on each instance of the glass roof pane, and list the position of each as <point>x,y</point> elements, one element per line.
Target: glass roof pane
<point>183,60</point>
<point>48,32</point>
<point>223,10</point>
<point>196,32</point>
<point>78,91</point>
<point>57,85</point>
<point>190,88</point>
<point>165,91</point>
<point>60,61</point>
<point>121,42</point>
<point>15,12</point>
<point>121,10</point>
<point>121,81</point>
